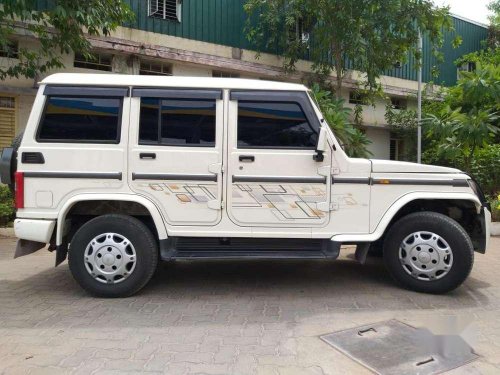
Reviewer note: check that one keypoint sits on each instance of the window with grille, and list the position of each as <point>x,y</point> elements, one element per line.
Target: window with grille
<point>221,74</point>
<point>357,98</point>
<point>399,103</point>
<point>165,9</point>
<point>9,49</point>
<point>153,68</point>
<point>466,67</point>
<point>7,120</point>
<point>98,61</point>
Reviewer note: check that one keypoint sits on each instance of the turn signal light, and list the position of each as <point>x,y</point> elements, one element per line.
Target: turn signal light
<point>19,193</point>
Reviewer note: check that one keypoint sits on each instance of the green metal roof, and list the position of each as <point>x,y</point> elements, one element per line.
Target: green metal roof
<point>223,21</point>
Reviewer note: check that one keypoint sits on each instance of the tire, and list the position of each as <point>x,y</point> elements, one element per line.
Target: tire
<point>118,241</point>
<point>16,142</point>
<point>432,241</point>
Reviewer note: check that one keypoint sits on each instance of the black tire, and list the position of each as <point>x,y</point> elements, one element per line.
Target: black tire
<point>445,227</point>
<point>16,142</point>
<point>143,241</point>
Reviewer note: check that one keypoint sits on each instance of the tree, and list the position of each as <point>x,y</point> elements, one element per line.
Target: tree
<point>367,35</point>
<point>494,29</point>
<point>337,117</point>
<point>60,29</point>
<point>468,119</point>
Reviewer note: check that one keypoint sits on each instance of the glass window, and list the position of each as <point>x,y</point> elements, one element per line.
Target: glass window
<point>180,122</point>
<point>81,119</point>
<point>274,125</point>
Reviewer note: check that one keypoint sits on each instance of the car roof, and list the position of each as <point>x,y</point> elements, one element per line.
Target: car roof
<point>84,79</point>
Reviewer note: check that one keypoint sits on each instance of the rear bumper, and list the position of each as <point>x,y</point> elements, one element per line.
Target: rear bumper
<point>34,230</point>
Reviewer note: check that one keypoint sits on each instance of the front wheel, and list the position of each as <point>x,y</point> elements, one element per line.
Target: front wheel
<point>113,256</point>
<point>428,252</point>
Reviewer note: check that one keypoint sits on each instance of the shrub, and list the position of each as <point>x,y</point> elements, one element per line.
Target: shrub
<point>6,205</point>
<point>495,208</point>
<point>485,168</point>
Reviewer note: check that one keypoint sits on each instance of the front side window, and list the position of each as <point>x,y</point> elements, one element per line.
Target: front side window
<point>274,125</point>
<point>80,119</point>
<point>177,122</point>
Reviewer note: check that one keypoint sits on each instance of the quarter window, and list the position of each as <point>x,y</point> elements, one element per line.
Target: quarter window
<point>177,122</point>
<point>274,125</point>
<point>80,119</point>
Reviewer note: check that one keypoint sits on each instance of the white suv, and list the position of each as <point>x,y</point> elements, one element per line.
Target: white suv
<point>120,171</point>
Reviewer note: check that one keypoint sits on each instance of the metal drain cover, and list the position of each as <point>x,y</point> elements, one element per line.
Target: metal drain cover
<point>393,347</point>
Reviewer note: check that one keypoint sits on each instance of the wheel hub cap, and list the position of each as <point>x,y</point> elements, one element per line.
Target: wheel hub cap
<point>110,258</point>
<point>425,256</point>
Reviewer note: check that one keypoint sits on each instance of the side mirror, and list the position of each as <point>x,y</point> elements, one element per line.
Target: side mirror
<point>321,146</point>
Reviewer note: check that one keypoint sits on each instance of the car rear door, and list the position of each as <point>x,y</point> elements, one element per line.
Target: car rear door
<point>175,156</point>
<point>273,179</point>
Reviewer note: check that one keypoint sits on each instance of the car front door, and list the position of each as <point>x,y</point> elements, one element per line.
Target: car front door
<point>273,178</point>
<point>175,156</point>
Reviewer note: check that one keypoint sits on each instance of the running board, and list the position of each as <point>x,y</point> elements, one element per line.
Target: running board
<point>247,248</point>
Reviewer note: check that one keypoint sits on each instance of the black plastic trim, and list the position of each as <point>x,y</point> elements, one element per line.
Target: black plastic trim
<point>176,177</point>
<point>410,181</point>
<point>32,158</point>
<point>351,180</point>
<point>86,91</point>
<point>289,180</point>
<point>174,93</point>
<point>86,175</point>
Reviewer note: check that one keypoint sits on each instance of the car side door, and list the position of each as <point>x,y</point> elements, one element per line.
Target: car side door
<point>273,178</point>
<point>175,156</point>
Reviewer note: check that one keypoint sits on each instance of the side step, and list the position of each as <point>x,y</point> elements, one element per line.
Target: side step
<point>248,248</point>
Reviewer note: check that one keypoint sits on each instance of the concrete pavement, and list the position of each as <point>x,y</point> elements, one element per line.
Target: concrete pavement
<point>226,317</point>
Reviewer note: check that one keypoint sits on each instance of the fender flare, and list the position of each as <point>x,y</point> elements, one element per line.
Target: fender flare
<point>394,209</point>
<point>150,206</point>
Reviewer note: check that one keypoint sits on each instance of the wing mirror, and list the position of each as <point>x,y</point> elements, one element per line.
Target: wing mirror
<point>321,146</point>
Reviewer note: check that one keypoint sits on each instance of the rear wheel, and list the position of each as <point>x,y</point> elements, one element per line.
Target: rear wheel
<point>113,256</point>
<point>428,252</point>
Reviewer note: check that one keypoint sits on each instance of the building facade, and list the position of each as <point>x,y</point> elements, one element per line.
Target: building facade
<point>206,38</point>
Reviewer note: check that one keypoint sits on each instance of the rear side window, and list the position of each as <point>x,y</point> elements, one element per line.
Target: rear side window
<point>80,119</point>
<point>274,125</point>
<point>177,122</point>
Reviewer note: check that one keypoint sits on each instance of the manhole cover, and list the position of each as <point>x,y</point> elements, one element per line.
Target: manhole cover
<point>394,347</point>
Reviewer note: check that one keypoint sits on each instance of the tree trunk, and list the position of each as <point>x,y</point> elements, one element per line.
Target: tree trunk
<point>339,70</point>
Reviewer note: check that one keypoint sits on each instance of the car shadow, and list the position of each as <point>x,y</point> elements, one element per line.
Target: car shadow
<point>297,288</point>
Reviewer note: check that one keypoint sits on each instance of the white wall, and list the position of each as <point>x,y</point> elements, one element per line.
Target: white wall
<point>380,142</point>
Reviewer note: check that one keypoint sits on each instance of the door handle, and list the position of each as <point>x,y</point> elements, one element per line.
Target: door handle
<point>247,158</point>
<point>147,155</point>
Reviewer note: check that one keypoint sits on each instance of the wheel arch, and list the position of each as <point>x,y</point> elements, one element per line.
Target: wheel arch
<point>401,207</point>
<point>143,202</point>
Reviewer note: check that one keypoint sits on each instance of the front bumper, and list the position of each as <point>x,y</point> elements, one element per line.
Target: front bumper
<point>487,228</point>
<point>34,230</point>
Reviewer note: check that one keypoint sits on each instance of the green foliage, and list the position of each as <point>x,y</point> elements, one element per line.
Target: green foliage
<point>467,120</point>
<point>60,29</point>
<point>6,205</point>
<point>486,169</point>
<point>494,30</point>
<point>495,207</point>
<point>370,35</point>
<point>337,116</point>
<point>403,124</point>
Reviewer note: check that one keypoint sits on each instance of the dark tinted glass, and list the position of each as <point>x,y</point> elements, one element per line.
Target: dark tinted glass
<point>181,122</point>
<point>268,125</point>
<point>80,120</point>
<point>148,123</point>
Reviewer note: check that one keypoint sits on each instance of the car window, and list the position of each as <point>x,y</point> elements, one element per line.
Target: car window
<point>177,122</point>
<point>80,119</point>
<point>274,125</point>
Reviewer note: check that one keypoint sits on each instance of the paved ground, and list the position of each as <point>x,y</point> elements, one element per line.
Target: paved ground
<point>225,317</point>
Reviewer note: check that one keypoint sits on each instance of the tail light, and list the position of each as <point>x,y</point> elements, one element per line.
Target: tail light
<point>19,194</point>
